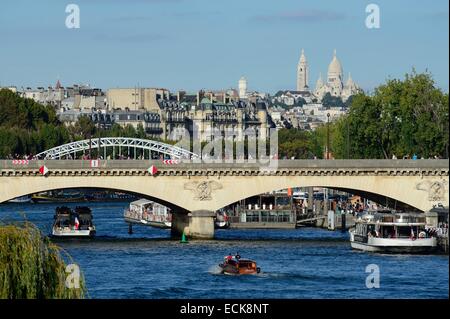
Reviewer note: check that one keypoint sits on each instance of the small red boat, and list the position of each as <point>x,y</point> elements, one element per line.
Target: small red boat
<point>235,265</point>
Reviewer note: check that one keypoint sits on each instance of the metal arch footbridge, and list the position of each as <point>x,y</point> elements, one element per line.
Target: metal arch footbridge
<point>120,142</point>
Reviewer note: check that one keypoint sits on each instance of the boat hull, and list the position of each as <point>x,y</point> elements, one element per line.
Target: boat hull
<point>72,233</point>
<point>394,245</point>
<point>222,225</point>
<point>164,225</point>
<point>233,270</point>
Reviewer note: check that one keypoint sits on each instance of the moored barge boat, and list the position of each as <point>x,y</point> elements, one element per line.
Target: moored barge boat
<point>57,197</point>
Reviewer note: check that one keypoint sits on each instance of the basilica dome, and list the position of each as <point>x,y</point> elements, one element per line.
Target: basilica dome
<point>335,67</point>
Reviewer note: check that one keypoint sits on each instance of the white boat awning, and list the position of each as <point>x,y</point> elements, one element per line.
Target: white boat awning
<point>141,202</point>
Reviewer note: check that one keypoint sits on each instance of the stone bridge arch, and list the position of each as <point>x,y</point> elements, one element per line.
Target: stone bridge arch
<point>416,192</point>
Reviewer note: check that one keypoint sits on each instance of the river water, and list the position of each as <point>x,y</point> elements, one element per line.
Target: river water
<point>301,263</point>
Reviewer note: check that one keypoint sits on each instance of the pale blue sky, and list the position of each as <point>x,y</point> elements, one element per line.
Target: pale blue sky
<point>194,44</point>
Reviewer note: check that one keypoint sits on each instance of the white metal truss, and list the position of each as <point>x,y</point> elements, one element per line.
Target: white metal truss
<point>84,145</point>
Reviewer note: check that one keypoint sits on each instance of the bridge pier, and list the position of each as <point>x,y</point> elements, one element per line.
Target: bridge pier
<point>197,224</point>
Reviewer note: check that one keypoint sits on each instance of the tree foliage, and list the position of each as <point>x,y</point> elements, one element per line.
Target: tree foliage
<point>298,144</point>
<point>32,267</point>
<point>402,118</point>
<point>27,127</point>
<point>332,101</point>
<point>83,128</point>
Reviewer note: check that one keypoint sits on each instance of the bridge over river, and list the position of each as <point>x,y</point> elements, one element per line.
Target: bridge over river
<point>195,190</point>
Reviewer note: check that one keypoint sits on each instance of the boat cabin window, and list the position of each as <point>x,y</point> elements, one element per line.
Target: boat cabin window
<point>388,232</point>
<point>386,218</point>
<point>405,232</point>
<point>63,222</point>
<point>410,218</point>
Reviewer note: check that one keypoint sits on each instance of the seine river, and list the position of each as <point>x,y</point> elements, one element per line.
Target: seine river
<point>301,263</point>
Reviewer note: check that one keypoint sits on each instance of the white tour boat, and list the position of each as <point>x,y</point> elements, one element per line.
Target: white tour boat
<point>147,212</point>
<point>392,232</point>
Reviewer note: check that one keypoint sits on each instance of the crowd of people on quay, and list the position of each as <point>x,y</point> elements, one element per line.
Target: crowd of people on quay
<point>21,157</point>
<point>415,157</point>
<point>71,157</point>
<point>87,156</point>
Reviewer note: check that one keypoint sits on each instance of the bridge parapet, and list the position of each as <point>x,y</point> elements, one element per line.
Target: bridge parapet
<point>189,168</point>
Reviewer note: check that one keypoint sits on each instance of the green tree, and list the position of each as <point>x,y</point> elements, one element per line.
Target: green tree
<point>332,101</point>
<point>296,143</point>
<point>403,117</point>
<point>31,267</point>
<point>83,128</point>
<point>140,132</point>
<point>27,127</point>
<point>129,131</point>
<point>8,142</point>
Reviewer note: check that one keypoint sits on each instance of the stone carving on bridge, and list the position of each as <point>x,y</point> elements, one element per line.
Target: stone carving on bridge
<point>436,190</point>
<point>203,190</point>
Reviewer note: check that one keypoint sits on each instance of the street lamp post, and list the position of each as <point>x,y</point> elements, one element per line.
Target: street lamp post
<point>348,139</point>
<point>90,144</point>
<point>325,190</point>
<point>98,123</point>
<point>328,136</point>
<point>446,144</point>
